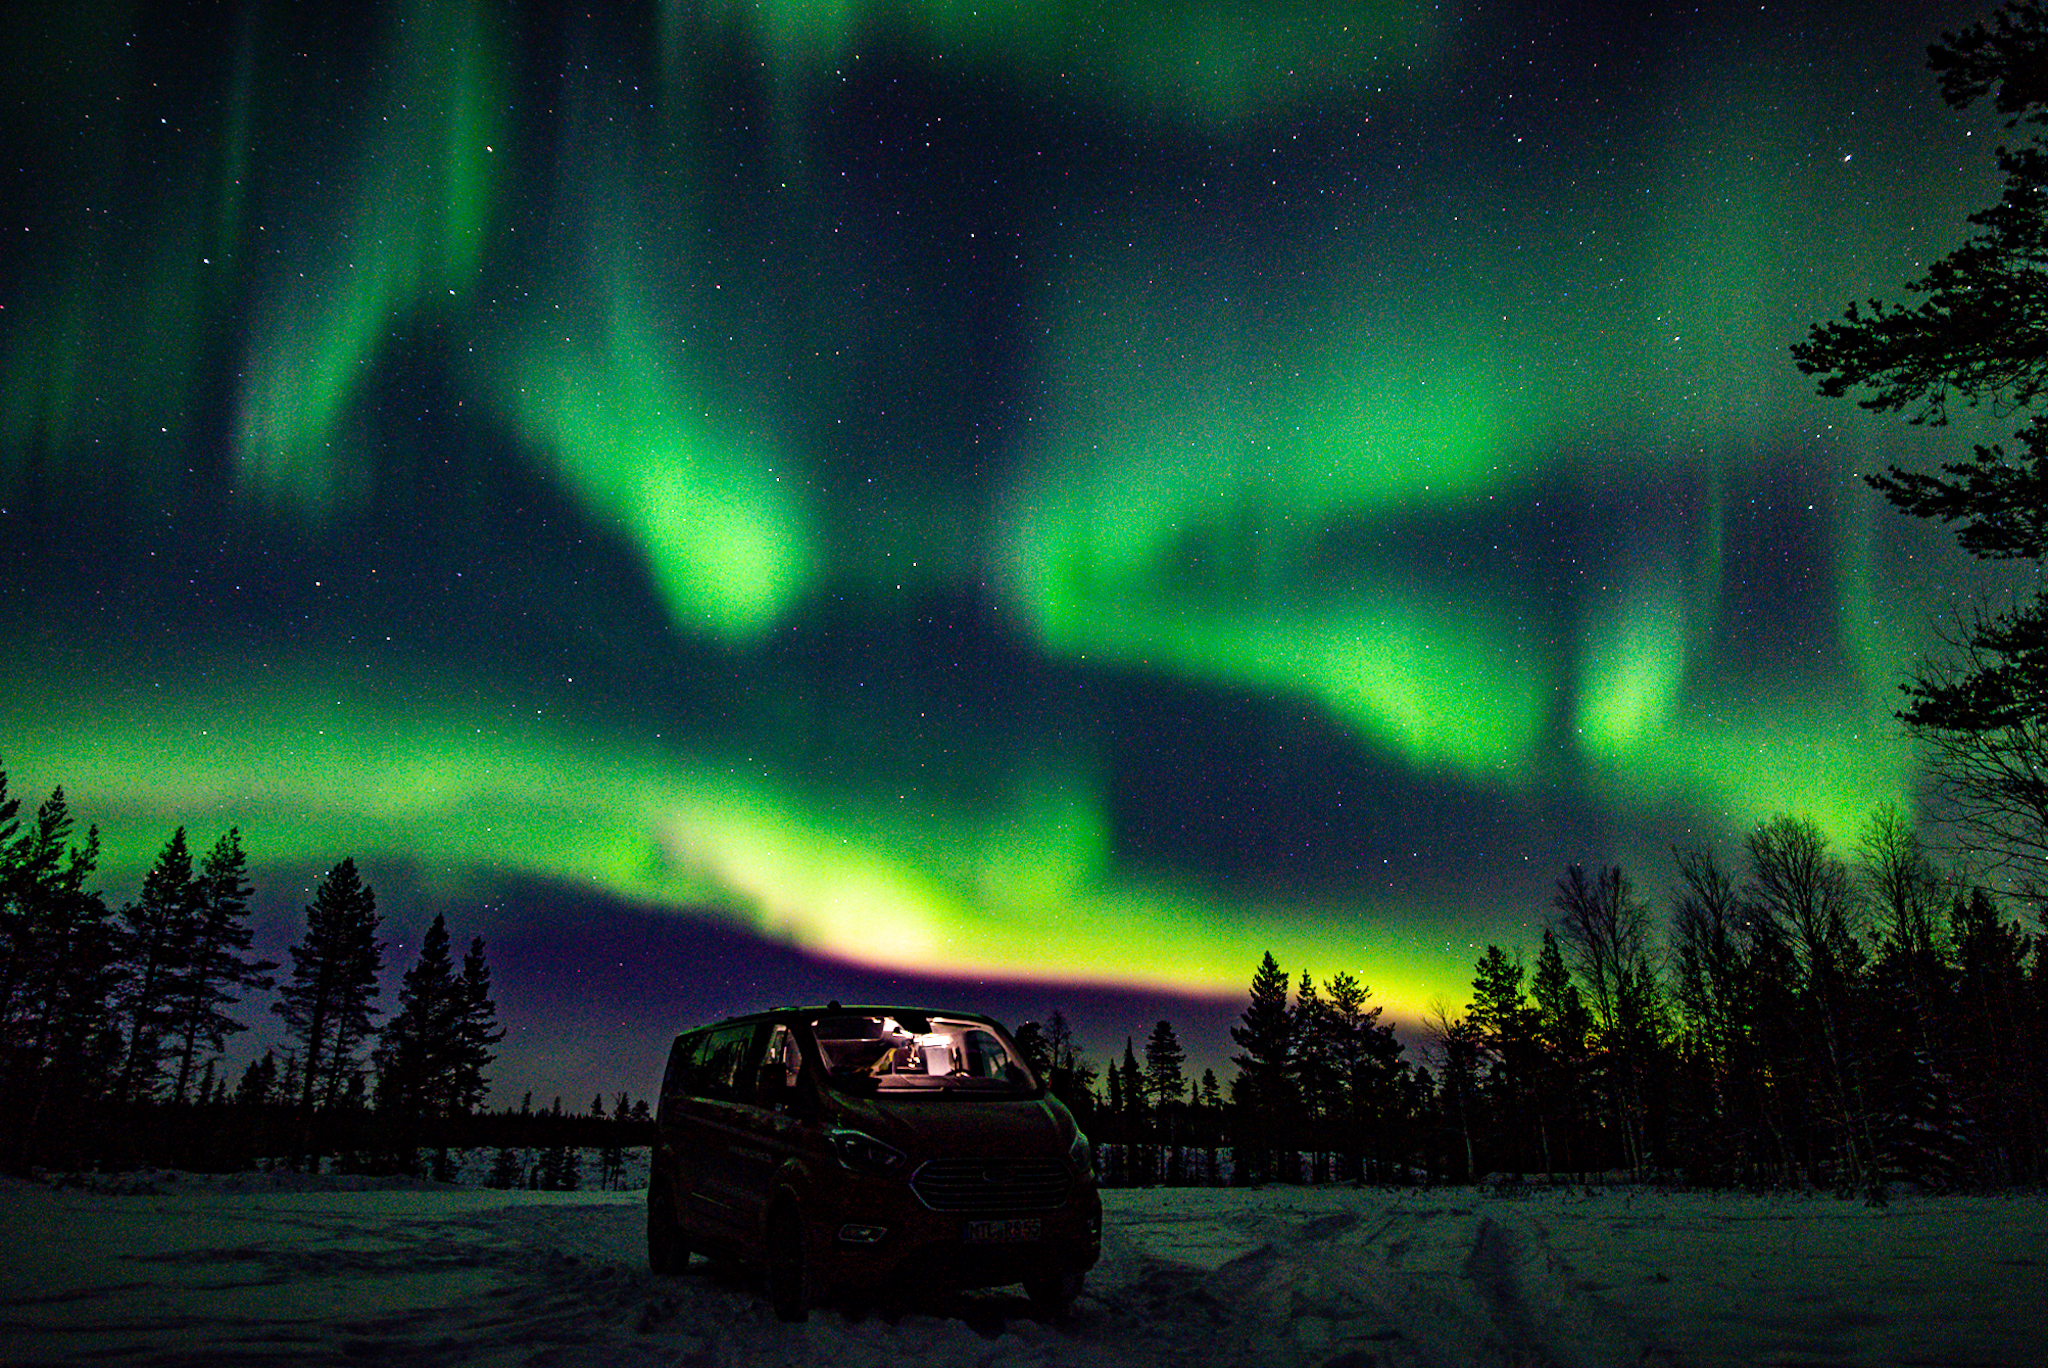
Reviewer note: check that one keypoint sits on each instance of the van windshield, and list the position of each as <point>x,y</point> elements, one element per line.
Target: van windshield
<point>910,1053</point>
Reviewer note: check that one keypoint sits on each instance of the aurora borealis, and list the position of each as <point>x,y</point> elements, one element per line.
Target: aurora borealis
<point>1078,494</point>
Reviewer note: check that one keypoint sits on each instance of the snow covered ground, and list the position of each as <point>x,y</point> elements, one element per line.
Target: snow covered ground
<point>246,1271</point>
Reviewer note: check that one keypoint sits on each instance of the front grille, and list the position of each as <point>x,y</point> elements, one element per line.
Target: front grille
<point>997,1187</point>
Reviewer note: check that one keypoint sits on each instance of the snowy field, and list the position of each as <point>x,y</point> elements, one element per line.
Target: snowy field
<point>242,1271</point>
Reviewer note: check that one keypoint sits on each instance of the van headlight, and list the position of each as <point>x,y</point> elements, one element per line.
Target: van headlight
<point>1081,1155</point>
<point>863,1153</point>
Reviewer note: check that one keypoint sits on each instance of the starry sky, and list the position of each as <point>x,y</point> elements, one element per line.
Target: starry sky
<point>1008,503</point>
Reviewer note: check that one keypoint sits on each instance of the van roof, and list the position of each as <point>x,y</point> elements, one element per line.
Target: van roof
<point>863,1008</point>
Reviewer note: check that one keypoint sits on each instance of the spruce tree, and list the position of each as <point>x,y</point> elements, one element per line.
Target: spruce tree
<point>1369,1107</point>
<point>476,1032</point>
<point>1314,1072</point>
<point>14,920</point>
<point>1264,1084</point>
<point>258,1082</point>
<point>1562,1028</point>
<point>508,1170</point>
<point>1500,1015</point>
<point>1136,1123</point>
<point>1164,1061</point>
<point>415,1055</point>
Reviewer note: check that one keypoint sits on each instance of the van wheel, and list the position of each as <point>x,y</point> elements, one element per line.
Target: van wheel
<point>789,1273</point>
<point>1051,1294</point>
<point>666,1252</point>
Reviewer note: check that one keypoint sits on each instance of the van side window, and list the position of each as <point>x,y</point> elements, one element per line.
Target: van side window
<point>781,1065</point>
<point>718,1071</point>
<point>678,1080</point>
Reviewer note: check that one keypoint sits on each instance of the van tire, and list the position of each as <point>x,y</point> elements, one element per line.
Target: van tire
<point>789,1269</point>
<point>1052,1294</point>
<point>666,1253</point>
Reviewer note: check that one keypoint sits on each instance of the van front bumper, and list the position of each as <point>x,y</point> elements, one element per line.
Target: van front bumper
<point>862,1248</point>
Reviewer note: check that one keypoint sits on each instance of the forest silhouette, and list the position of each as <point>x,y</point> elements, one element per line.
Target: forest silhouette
<point>1805,1019</point>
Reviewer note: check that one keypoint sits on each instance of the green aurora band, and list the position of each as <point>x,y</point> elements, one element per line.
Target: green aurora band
<point>1240,429</point>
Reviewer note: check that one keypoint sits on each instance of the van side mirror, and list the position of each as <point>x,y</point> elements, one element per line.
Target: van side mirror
<point>771,1084</point>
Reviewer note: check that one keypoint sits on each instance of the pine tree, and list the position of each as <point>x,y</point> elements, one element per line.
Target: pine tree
<point>218,967</point>
<point>54,931</point>
<point>159,928</point>
<point>61,1042</point>
<point>326,1004</point>
<point>1973,339</point>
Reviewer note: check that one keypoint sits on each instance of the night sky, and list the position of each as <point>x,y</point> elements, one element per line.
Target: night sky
<point>1015,505</point>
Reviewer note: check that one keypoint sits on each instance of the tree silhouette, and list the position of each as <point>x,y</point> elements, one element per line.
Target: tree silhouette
<point>1164,1060</point>
<point>326,1003</point>
<point>1263,1090</point>
<point>476,1032</point>
<point>415,1054</point>
<point>1973,338</point>
<point>159,929</point>
<point>1607,928</point>
<point>1796,883</point>
<point>217,966</point>
<point>1562,1028</point>
<point>62,969</point>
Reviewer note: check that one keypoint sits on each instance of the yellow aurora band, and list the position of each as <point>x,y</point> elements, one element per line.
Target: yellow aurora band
<point>1458,455</point>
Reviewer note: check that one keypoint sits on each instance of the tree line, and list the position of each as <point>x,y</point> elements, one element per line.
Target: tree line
<point>114,1021</point>
<point>1806,1018</point>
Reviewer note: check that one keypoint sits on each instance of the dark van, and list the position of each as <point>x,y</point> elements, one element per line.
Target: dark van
<point>872,1152</point>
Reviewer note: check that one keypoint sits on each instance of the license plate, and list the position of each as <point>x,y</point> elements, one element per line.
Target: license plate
<point>1002,1232</point>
